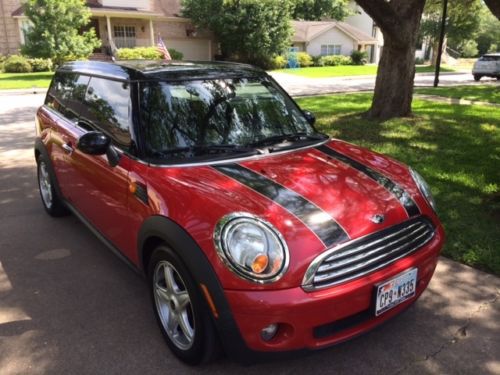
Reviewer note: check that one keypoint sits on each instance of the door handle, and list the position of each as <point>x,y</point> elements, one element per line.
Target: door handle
<point>67,147</point>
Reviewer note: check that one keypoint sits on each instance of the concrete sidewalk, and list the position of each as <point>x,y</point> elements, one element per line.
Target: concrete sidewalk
<point>69,306</point>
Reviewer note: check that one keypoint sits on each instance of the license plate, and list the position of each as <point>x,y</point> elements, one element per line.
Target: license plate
<point>395,291</point>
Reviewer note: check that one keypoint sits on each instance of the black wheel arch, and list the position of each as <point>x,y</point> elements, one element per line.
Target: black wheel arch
<point>160,229</point>
<point>41,150</point>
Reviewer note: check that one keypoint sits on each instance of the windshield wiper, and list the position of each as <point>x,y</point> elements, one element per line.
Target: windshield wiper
<point>198,150</point>
<point>295,137</point>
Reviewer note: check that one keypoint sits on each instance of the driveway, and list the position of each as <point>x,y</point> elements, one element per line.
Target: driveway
<point>302,86</point>
<point>69,306</point>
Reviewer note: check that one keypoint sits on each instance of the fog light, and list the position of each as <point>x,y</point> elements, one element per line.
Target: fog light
<point>269,332</point>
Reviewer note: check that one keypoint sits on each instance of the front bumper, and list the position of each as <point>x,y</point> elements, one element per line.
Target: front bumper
<point>313,320</point>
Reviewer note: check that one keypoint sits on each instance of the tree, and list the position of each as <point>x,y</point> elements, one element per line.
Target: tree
<point>55,31</point>
<point>494,6</point>
<point>318,9</point>
<point>248,30</point>
<point>462,24</point>
<point>488,36</point>
<point>399,21</point>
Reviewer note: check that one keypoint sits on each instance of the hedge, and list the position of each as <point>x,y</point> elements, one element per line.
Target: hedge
<point>145,53</point>
<point>17,64</point>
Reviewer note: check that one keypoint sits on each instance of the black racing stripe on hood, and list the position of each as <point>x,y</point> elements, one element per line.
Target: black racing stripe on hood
<point>397,191</point>
<point>329,231</point>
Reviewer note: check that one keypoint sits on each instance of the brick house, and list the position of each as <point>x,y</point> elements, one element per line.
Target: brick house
<point>121,23</point>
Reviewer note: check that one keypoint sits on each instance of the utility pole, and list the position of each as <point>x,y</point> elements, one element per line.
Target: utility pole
<point>441,42</point>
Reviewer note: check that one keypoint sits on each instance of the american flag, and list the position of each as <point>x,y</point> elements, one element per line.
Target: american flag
<point>163,49</point>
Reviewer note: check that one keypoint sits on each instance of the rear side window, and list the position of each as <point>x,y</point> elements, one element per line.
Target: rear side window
<point>66,94</point>
<point>490,58</point>
<point>108,109</point>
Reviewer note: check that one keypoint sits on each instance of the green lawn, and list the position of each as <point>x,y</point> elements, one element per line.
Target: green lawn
<point>25,80</point>
<point>347,70</point>
<point>483,93</point>
<point>455,147</point>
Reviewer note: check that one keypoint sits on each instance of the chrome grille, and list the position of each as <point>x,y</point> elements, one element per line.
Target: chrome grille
<point>364,255</point>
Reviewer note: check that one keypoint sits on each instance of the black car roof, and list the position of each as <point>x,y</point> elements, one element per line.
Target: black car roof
<point>161,69</point>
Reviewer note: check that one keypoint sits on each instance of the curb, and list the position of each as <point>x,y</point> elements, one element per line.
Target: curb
<point>32,91</point>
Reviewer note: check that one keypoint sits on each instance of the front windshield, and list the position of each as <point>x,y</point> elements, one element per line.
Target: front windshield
<point>179,117</point>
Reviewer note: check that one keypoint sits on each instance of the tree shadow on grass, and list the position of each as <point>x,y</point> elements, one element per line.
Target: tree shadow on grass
<point>455,147</point>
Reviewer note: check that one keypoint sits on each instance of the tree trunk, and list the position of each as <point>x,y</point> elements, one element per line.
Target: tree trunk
<point>399,21</point>
<point>394,84</point>
<point>494,6</point>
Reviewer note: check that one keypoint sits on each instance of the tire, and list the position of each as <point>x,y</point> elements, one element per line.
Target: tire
<point>51,201</point>
<point>477,77</point>
<point>180,310</point>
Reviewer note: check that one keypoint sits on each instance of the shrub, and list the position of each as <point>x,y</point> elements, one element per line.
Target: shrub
<point>359,57</point>
<point>317,61</point>
<point>17,64</point>
<point>40,65</point>
<point>304,59</point>
<point>145,53</point>
<point>334,60</point>
<point>469,49</point>
<point>278,62</point>
<point>419,61</point>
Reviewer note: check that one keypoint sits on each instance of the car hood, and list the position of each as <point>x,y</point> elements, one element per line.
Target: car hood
<point>339,191</point>
<point>317,197</point>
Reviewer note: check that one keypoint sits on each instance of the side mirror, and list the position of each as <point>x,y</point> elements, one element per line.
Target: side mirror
<point>94,143</point>
<point>97,143</point>
<point>311,119</point>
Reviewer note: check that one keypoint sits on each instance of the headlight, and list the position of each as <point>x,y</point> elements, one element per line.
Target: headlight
<point>251,247</point>
<point>424,188</point>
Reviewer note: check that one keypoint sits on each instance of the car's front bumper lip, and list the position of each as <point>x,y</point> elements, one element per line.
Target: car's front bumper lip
<point>346,309</point>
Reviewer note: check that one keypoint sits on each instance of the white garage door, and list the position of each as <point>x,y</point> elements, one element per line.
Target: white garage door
<point>193,49</point>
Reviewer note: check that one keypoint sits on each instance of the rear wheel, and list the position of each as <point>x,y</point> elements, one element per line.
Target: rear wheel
<point>180,311</point>
<point>477,77</point>
<point>51,201</point>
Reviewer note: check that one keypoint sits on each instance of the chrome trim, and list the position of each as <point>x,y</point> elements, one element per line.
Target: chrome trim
<point>362,247</point>
<point>328,266</point>
<point>321,278</point>
<point>421,189</point>
<point>220,232</point>
<point>234,160</point>
<point>331,254</point>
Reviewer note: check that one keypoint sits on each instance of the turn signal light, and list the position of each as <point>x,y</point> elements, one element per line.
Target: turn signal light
<point>260,263</point>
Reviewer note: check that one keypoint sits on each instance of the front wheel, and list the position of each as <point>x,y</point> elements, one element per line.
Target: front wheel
<point>51,201</point>
<point>180,311</point>
<point>477,77</point>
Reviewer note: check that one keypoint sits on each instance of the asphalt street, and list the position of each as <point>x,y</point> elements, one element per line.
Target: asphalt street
<point>297,85</point>
<point>69,306</point>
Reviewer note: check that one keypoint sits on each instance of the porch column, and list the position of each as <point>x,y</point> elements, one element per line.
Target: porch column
<point>110,35</point>
<point>151,32</point>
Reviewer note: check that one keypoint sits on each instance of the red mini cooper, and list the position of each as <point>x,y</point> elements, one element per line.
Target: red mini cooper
<point>257,234</point>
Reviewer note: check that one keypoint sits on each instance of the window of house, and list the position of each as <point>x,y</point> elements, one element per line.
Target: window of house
<point>24,27</point>
<point>331,49</point>
<point>124,36</point>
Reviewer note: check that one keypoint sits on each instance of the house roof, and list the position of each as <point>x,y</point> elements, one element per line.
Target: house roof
<point>306,31</point>
<point>169,9</point>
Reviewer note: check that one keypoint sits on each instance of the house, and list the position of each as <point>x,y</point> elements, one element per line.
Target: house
<point>356,32</point>
<point>321,38</point>
<point>121,23</point>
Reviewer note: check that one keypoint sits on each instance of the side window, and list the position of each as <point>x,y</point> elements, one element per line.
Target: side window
<point>108,108</point>
<point>66,94</point>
